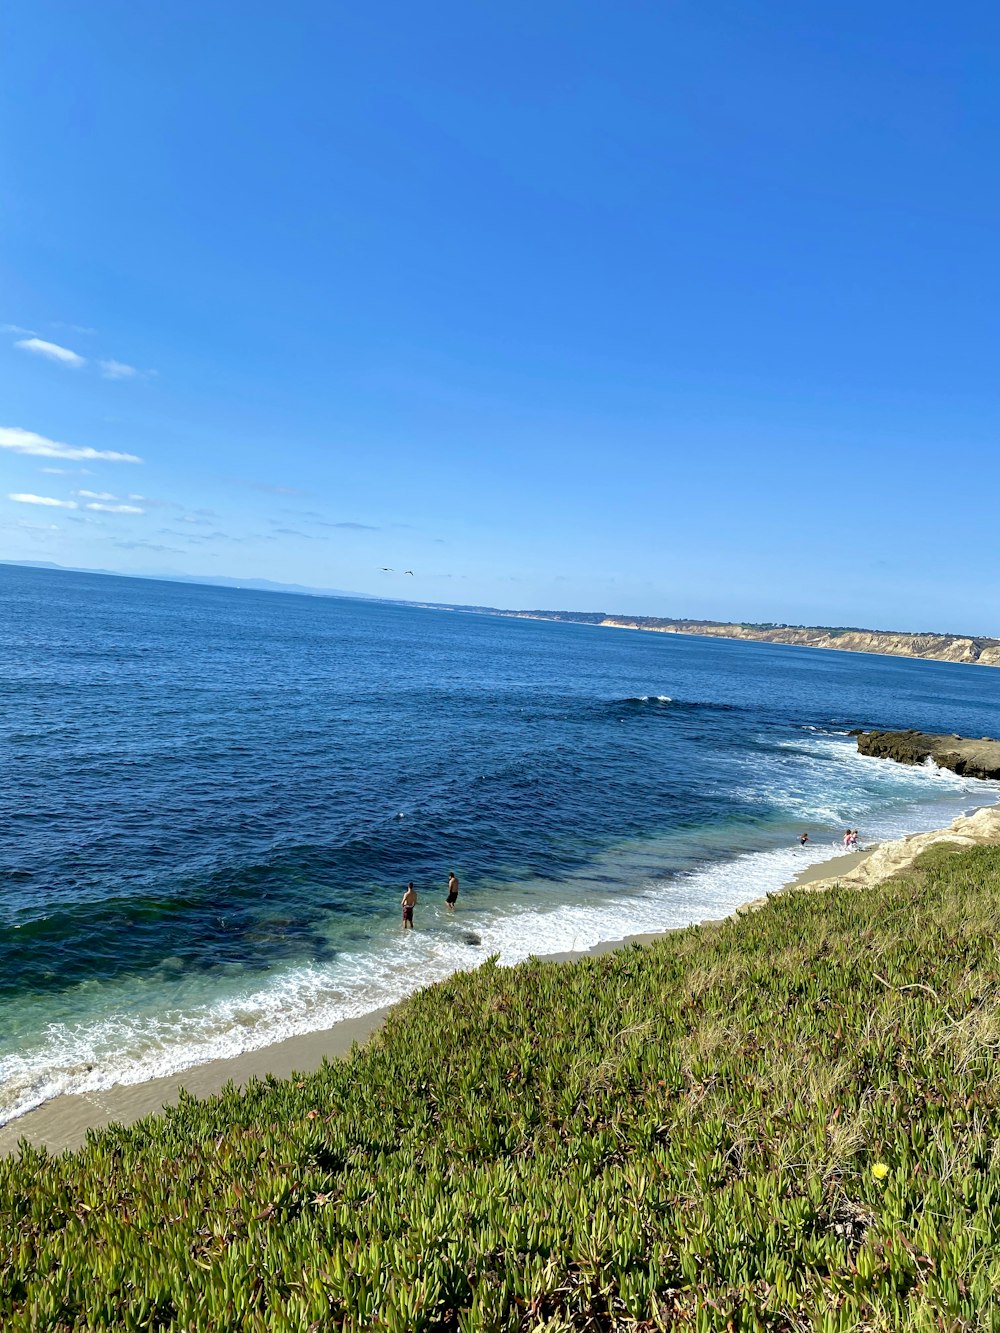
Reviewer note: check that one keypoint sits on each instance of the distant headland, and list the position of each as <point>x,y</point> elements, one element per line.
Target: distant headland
<point>936,647</point>
<point>967,648</point>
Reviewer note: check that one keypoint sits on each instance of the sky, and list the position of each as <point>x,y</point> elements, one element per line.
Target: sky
<point>665,308</point>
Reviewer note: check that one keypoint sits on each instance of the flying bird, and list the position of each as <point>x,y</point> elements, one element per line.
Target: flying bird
<point>386,569</point>
<point>408,571</point>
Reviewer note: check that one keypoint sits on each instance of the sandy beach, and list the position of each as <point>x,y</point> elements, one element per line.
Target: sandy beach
<point>63,1123</point>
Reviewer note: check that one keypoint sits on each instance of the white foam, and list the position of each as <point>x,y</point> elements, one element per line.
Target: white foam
<point>132,1049</point>
<point>131,1044</point>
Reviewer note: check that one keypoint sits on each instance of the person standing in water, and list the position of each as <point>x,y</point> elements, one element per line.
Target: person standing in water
<point>803,839</point>
<point>409,903</point>
<point>452,898</point>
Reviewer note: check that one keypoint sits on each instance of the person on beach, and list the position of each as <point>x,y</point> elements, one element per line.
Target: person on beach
<point>452,898</point>
<point>854,837</point>
<point>409,903</point>
<point>847,838</point>
<point>803,839</point>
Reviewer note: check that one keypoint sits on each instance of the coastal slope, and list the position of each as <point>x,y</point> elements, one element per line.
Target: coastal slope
<point>966,648</point>
<point>786,1120</point>
<point>936,647</point>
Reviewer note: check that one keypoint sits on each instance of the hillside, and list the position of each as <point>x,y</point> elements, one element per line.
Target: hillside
<point>787,1121</point>
<point>937,647</point>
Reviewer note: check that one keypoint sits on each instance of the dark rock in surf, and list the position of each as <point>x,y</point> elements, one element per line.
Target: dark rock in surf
<point>969,758</point>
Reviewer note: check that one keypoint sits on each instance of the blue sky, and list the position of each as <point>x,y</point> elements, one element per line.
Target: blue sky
<point>667,308</point>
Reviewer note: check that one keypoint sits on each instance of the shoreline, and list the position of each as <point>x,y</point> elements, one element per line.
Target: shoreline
<point>62,1123</point>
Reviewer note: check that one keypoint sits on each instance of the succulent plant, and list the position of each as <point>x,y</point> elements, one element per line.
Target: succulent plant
<point>786,1121</point>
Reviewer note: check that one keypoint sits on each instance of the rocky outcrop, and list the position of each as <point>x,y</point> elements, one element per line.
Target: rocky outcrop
<point>972,759</point>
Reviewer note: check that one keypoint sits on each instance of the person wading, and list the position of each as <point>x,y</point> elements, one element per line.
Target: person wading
<point>452,898</point>
<point>409,903</point>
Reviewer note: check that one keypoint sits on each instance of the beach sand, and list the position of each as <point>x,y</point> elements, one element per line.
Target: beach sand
<point>62,1123</point>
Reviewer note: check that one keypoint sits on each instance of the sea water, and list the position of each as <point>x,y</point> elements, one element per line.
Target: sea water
<point>211,801</point>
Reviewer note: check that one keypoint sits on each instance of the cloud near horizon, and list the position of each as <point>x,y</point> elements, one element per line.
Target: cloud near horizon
<point>352,527</point>
<point>28,442</point>
<point>103,508</point>
<point>39,347</point>
<point>147,546</point>
<point>273,490</point>
<point>24,499</point>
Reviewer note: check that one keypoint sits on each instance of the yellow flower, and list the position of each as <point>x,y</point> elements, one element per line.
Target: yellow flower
<point>880,1170</point>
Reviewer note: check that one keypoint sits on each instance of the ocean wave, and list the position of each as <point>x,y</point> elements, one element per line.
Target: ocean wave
<point>127,1045</point>
<point>662,701</point>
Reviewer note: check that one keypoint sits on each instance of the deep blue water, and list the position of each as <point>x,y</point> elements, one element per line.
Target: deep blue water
<point>212,799</point>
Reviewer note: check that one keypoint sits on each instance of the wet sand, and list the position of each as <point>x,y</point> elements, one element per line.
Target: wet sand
<point>62,1123</point>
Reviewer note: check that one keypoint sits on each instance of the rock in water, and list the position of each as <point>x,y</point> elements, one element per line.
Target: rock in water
<point>971,759</point>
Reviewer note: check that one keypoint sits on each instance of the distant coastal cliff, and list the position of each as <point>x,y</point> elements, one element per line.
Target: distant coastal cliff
<point>935,647</point>
<point>939,647</point>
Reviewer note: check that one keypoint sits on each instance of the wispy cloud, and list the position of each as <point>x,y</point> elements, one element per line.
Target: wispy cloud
<point>110,367</point>
<point>273,490</point>
<point>74,328</point>
<point>97,495</point>
<point>147,546</point>
<point>28,442</point>
<point>293,532</point>
<point>117,370</point>
<point>352,527</point>
<point>23,499</point>
<point>101,507</point>
<point>52,351</point>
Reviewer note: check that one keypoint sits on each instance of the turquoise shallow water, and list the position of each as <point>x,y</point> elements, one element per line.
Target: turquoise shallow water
<point>212,799</point>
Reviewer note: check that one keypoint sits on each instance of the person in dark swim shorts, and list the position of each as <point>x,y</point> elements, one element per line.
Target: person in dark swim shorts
<point>409,903</point>
<point>452,898</point>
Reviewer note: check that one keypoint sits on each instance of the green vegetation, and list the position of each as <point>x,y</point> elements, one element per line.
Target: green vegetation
<point>785,1122</point>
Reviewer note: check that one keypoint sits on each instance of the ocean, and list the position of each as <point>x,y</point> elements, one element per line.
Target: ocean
<point>212,800</point>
